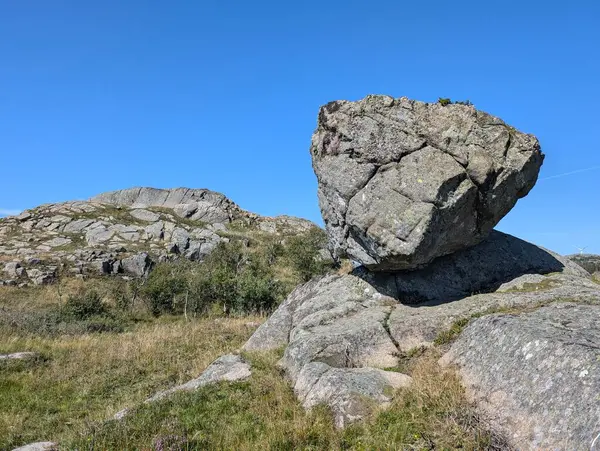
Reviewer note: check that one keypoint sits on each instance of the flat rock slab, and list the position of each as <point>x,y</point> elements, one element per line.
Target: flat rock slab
<point>19,356</point>
<point>415,326</point>
<point>344,389</point>
<point>229,368</point>
<point>535,376</point>
<point>401,182</point>
<point>38,446</point>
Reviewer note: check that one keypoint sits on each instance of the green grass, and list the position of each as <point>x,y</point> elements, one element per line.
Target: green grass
<point>81,379</point>
<point>264,414</point>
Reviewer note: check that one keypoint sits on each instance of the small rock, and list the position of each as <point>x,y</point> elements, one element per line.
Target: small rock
<point>42,277</point>
<point>24,216</point>
<point>38,446</point>
<point>13,269</point>
<point>26,355</point>
<point>138,265</point>
<point>145,215</point>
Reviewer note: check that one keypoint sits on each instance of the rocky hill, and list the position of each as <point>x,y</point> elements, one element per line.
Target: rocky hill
<point>125,232</point>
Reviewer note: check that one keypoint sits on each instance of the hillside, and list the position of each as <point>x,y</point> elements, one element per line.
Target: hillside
<point>126,232</point>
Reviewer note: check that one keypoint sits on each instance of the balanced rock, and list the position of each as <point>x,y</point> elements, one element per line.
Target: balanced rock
<point>403,182</point>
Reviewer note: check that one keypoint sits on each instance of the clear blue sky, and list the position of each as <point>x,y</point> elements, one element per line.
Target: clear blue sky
<point>96,96</point>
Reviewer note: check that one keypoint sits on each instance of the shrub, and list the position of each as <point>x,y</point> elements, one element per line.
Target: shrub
<point>444,101</point>
<point>238,279</point>
<point>166,282</point>
<point>85,305</point>
<point>303,254</point>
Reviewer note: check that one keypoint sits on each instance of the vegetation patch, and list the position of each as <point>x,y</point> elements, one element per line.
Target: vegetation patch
<point>263,413</point>
<point>82,377</point>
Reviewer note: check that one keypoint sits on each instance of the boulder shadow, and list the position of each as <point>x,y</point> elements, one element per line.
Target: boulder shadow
<point>483,268</point>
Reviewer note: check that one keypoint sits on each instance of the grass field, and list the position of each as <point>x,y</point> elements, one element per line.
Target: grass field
<point>81,379</point>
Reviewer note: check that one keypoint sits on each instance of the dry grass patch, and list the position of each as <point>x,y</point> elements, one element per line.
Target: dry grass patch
<point>87,378</point>
<point>263,413</point>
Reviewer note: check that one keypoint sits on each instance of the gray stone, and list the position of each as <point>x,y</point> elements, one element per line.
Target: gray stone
<point>98,235</point>
<point>102,266</point>
<point>155,231</point>
<point>138,265</point>
<point>26,355</point>
<point>414,326</point>
<point>536,376</point>
<point>42,276</point>
<point>229,368</point>
<point>78,225</point>
<point>128,232</point>
<point>181,238</point>
<point>403,182</point>
<point>38,446</point>
<point>336,334</point>
<point>344,389</point>
<point>57,242</point>
<point>24,216</point>
<point>144,215</point>
<point>13,269</point>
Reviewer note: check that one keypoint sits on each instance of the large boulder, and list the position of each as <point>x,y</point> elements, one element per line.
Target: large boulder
<point>535,376</point>
<point>402,182</point>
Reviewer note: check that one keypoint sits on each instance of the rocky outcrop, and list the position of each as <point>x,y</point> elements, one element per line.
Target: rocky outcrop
<point>124,233</point>
<point>195,204</point>
<point>535,376</point>
<point>402,182</point>
<point>333,326</point>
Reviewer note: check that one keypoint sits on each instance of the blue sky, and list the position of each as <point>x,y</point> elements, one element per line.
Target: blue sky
<point>96,96</point>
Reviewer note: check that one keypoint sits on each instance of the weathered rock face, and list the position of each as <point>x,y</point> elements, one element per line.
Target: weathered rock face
<point>337,344</point>
<point>337,325</point>
<point>123,232</point>
<point>536,376</point>
<point>402,182</point>
<point>196,204</point>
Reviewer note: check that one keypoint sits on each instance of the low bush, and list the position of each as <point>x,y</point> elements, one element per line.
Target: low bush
<point>85,305</point>
<point>235,277</point>
<point>303,254</point>
<point>165,284</point>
